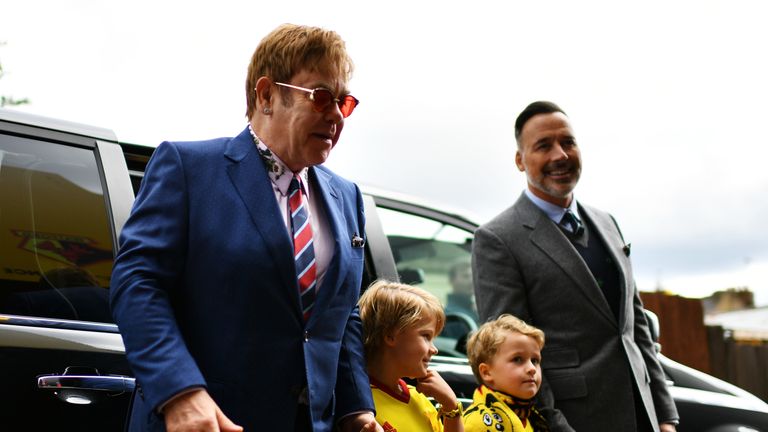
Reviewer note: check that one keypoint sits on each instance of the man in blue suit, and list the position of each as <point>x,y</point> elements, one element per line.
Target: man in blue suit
<point>235,313</point>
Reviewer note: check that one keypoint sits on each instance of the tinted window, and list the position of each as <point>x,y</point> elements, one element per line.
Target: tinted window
<point>436,256</point>
<point>55,242</point>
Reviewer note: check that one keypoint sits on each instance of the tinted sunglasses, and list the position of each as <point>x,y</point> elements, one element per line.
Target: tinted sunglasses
<point>323,98</point>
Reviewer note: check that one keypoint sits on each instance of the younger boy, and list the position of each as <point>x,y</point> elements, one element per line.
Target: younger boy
<point>505,355</point>
<point>399,325</point>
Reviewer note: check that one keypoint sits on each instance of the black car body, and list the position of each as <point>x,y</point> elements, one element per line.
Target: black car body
<point>65,192</point>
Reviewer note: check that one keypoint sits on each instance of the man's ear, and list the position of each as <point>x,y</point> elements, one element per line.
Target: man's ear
<point>519,161</point>
<point>264,93</point>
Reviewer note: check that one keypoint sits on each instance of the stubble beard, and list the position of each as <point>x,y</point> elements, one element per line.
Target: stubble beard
<point>551,189</point>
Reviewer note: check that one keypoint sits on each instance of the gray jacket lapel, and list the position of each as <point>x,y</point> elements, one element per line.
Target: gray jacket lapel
<point>547,236</point>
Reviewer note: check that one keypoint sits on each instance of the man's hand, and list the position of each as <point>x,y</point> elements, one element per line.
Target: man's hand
<point>196,412</point>
<point>667,427</point>
<point>362,422</point>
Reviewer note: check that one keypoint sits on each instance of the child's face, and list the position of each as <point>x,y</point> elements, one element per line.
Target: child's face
<point>412,348</point>
<point>516,367</point>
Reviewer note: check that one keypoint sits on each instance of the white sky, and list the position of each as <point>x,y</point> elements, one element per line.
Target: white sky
<point>668,101</point>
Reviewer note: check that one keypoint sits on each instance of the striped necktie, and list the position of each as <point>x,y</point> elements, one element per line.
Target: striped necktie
<point>303,250</point>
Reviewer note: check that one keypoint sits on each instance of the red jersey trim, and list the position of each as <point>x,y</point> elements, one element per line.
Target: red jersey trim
<point>404,397</point>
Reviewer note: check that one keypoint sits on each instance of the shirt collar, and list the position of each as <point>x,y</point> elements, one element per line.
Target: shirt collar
<point>404,394</point>
<point>554,212</point>
<point>278,171</point>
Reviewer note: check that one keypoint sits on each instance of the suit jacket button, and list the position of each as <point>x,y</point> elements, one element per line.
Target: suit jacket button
<point>306,336</point>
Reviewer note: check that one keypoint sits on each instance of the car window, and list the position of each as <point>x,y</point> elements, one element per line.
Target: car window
<point>55,239</point>
<point>436,256</point>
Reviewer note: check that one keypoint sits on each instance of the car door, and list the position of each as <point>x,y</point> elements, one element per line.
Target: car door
<point>64,195</point>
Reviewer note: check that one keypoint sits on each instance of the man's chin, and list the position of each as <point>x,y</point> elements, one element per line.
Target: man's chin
<point>320,159</point>
<point>554,195</point>
<point>560,190</point>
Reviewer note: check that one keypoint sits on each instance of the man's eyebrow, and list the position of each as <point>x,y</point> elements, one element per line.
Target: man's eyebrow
<point>343,91</point>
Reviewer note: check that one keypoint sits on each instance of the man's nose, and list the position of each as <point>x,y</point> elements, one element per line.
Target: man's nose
<point>558,152</point>
<point>333,113</point>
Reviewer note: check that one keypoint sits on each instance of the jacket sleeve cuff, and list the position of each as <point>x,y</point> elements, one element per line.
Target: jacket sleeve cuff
<point>162,406</point>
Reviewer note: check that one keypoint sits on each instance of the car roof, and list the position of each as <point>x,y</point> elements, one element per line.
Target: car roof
<point>23,118</point>
<point>422,206</point>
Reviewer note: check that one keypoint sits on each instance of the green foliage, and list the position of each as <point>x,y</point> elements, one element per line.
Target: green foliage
<point>9,100</point>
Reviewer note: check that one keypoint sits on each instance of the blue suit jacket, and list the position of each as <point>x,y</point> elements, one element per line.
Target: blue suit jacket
<point>205,294</point>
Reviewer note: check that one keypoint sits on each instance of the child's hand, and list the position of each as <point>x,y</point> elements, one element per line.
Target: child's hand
<point>434,385</point>
<point>372,427</point>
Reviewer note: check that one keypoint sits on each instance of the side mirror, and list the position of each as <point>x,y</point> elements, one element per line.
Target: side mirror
<point>654,328</point>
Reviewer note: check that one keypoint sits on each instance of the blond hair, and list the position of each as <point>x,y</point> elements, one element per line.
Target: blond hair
<point>290,49</point>
<point>484,343</point>
<point>387,308</point>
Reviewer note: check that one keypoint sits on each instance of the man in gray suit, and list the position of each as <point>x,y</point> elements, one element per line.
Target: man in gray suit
<point>564,267</point>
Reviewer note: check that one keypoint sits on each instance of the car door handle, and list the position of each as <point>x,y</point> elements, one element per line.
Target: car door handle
<point>85,386</point>
<point>109,383</point>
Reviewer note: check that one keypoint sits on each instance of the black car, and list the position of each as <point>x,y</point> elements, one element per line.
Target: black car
<point>65,192</point>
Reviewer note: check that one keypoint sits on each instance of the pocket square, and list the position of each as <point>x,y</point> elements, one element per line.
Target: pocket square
<point>357,241</point>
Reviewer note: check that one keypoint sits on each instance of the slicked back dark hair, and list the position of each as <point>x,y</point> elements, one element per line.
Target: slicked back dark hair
<point>535,108</point>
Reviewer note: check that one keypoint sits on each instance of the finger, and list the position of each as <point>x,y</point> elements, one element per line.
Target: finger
<point>225,424</point>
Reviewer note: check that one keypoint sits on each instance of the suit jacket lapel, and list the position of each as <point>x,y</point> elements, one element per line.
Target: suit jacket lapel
<point>332,205</point>
<point>548,237</point>
<point>250,179</point>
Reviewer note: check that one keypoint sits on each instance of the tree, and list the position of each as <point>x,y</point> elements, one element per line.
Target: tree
<point>9,100</point>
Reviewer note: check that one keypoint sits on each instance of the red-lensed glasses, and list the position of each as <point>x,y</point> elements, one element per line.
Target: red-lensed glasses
<point>322,98</point>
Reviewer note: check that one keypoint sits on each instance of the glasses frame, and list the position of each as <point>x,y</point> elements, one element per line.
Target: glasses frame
<point>334,99</point>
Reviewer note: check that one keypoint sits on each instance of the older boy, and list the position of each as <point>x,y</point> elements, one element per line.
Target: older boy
<point>399,325</point>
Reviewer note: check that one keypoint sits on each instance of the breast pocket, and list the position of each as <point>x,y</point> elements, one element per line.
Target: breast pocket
<point>357,253</point>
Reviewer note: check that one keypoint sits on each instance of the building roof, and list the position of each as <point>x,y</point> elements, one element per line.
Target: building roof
<point>745,323</point>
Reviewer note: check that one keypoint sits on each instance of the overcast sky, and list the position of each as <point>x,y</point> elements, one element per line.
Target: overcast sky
<point>667,99</point>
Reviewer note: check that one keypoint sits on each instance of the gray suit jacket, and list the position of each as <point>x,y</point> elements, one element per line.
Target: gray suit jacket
<point>524,265</point>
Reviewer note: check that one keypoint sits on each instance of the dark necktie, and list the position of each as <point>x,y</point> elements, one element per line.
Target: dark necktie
<point>303,250</point>
<point>572,224</point>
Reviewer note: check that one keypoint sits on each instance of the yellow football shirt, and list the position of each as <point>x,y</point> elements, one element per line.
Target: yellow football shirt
<point>404,411</point>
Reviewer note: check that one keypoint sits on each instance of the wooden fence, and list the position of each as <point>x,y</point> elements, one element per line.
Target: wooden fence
<point>743,363</point>
<point>683,336</point>
<point>685,339</point>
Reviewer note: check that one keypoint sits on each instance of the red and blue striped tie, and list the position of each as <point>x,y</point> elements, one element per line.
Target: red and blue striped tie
<point>303,250</point>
